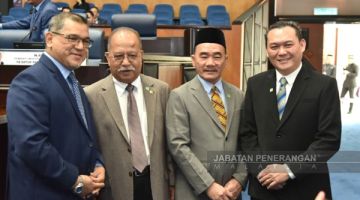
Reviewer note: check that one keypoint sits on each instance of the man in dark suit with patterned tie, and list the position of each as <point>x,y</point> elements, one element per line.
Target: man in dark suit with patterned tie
<point>37,22</point>
<point>53,150</point>
<point>299,117</point>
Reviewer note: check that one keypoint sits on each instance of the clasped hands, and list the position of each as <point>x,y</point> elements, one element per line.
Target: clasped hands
<point>274,176</point>
<point>93,183</point>
<point>230,191</point>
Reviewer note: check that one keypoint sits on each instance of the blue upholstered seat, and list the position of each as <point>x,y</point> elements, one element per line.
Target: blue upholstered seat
<point>145,24</point>
<point>137,8</point>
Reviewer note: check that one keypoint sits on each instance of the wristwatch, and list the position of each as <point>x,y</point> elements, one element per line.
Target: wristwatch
<point>79,187</point>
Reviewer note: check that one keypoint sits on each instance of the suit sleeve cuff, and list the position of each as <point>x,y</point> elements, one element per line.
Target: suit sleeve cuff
<point>290,173</point>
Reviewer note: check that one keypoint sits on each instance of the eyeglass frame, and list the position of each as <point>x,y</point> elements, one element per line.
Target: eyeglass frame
<point>76,40</point>
<point>131,58</point>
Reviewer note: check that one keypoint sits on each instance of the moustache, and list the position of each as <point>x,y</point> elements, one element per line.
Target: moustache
<point>131,68</point>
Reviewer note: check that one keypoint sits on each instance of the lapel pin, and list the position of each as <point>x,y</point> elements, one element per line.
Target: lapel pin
<point>271,90</point>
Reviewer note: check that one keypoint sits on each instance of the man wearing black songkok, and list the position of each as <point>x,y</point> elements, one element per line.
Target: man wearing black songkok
<point>202,122</point>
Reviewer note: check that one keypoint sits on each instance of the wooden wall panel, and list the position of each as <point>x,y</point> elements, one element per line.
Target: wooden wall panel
<point>314,51</point>
<point>234,7</point>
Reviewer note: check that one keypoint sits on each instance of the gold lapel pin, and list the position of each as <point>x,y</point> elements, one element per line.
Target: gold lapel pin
<point>271,90</point>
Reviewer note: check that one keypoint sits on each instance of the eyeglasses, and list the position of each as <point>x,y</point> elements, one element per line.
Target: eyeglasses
<point>75,39</point>
<point>120,57</point>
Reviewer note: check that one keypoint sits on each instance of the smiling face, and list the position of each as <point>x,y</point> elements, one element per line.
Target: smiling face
<point>285,49</point>
<point>71,55</point>
<point>209,60</point>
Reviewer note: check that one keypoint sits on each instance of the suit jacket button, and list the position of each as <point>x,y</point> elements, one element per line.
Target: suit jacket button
<point>130,174</point>
<point>278,136</point>
<point>91,145</point>
<point>129,150</point>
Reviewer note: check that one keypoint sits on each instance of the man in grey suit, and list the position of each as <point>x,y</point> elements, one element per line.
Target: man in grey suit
<point>113,100</point>
<point>202,118</point>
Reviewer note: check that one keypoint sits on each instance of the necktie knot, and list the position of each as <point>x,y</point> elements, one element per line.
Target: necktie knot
<point>130,88</point>
<point>283,81</point>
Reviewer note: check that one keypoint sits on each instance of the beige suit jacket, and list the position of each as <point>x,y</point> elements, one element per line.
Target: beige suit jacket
<point>114,142</point>
<point>195,136</point>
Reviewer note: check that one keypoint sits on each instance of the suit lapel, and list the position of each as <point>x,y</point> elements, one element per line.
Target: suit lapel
<point>204,101</point>
<point>109,96</point>
<point>297,90</point>
<point>270,96</point>
<point>64,85</point>
<point>150,103</point>
<point>230,102</point>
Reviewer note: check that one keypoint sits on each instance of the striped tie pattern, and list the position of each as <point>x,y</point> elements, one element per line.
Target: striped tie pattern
<point>281,100</point>
<point>137,141</point>
<point>76,92</point>
<point>218,106</point>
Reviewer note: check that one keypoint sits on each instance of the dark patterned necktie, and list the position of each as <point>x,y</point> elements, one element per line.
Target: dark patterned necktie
<point>76,92</point>
<point>137,141</point>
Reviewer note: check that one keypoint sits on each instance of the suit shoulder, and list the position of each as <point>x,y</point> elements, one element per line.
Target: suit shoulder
<point>95,86</point>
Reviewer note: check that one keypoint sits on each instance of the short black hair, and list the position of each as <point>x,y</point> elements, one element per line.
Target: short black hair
<point>282,24</point>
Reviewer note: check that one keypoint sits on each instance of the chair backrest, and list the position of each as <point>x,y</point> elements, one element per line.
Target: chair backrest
<point>164,8</point>
<point>215,8</point>
<point>98,48</point>
<point>189,8</point>
<point>145,24</point>
<point>219,19</point>
<point>190,15</point>
<point>106,15</point>
<point>164,18</point>
<point>113,7</point>
<point>137,8</point>
<point>18,12</point>
<point>9,36</point>
<point>28,6</point>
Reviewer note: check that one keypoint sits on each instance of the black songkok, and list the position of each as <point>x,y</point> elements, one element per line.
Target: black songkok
<point>210,35</point>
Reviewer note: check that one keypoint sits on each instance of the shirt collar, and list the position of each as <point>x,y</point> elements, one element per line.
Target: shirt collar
<point>64,71</point>
<point>290,78</point>
<point>208,86</point>
<point>39,5</point>
<point>122,86</point>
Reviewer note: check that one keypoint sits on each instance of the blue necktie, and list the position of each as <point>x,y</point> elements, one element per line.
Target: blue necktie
<point>281,96</point>
<point>32,21</point>
<point>76,92</point>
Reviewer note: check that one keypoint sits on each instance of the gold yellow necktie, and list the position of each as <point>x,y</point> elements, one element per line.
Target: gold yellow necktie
<point>218,106</point>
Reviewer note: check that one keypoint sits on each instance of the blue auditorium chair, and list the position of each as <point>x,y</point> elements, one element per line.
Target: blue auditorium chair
<point>164,14</point>
<point>215,9</point>
<point>18,12</point>
<point>218,19</point>
<point>145,24</point>
<point>28,6</point>
<point>97,50</point>
<point>78,10</point>
<point>137,8</point>
<point>112,7</point>
<point>106,15</point>
<point>190,15</point>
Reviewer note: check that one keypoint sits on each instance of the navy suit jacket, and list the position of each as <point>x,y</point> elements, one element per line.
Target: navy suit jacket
<point>49,144</point>
<point>38,25</point>
<point>311,124</point>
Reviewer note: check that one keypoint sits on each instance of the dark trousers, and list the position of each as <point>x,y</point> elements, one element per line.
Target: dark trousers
<point>142,185</point>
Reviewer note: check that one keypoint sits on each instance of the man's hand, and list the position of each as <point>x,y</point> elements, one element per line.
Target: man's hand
<point>98,176</point>
<point>233,188</point>
<point>89,186</point>
<point>273,177</point>
<point>217,192</point>
<point>320,196</point>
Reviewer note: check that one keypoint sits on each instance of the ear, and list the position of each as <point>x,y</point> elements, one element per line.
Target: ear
<point>303,45</point>
<point>48,39</point>
<point>193,60</point>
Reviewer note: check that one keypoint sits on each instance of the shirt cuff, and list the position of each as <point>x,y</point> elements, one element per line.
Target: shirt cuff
<point>290,173</point>
<point>0,26</point>
<point>98,164</point>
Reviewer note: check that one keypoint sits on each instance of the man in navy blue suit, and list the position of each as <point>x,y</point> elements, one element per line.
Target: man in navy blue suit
<point>53,151</point>
<point>37,22</point>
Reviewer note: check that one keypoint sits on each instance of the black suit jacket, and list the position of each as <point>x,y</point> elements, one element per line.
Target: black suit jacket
<point>311,123</point>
